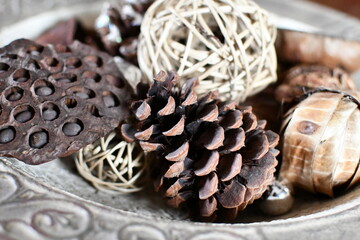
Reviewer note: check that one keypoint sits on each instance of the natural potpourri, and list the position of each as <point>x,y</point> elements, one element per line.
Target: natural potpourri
<point>58,95</point>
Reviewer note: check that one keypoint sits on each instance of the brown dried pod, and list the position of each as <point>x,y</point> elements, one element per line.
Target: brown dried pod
<point>215,157</point>
<point>56,100</point>
<point>302,78</point>
<point>309,48</point>
<point>321,138</point>
<point>62,33</point>
<point>66,32</point>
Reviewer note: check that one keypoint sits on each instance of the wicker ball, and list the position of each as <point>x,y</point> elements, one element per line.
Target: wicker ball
<point>112,165</point>
<point>227,44</point>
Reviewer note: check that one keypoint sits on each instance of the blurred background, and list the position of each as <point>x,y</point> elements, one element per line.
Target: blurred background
<point>13,10</point>
<point>351,7</point>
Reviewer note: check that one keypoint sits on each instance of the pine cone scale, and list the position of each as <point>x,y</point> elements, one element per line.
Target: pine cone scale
<point>232,120</point>
<point>169,108</point>
<point>178,167</point>
<point>180,198</point>
<point>177,129</point>
<point>232,195</point>
<point>208,163</point>
<point>174,189</point>
<point>207,207</point>
<point>190,99</point>
<point>213,138</point>
<point>234,140</point>
<point>249,122</point>
<point>145,134</point>
<point>208,186</point>
<point>179,154</point>
<point>272,137</point>
<point>229,166</point>
<point>209,113</point>
<point>254,174</point>
<point>150,147</point>
<point>257,145</point>
<point>175,169</point>
<point>143,111</point>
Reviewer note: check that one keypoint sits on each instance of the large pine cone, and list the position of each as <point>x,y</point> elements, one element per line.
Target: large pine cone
<point>215,156</point>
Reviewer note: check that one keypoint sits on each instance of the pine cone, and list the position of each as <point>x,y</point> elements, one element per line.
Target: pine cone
<point>215,156</point>
<point>121,21</point>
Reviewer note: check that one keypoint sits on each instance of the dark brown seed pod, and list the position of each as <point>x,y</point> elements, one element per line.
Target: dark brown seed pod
<point>214,156</point>
<point>63,32</point>
<point>66,32</point>
<point>55,100</point>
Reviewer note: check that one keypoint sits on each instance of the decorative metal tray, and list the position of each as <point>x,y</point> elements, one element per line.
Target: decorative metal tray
<point>51,201</point>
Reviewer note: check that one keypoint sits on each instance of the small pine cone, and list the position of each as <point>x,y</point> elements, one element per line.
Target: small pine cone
<point>214,156</point>
<point>119,24</point>
<point>302,78</point>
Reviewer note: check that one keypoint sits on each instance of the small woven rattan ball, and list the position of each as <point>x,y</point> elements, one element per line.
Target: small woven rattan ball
<point>227,44</point>
<point>112,165</point>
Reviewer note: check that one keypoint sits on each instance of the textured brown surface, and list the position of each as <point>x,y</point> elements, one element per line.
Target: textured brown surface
<point>308,48</point>
<point>302,78</point>
<point>215,157</point>
<point>56,100</point>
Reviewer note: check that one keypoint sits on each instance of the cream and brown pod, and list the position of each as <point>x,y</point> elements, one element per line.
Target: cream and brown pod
<point>321,137</point>
<point>229,45</point>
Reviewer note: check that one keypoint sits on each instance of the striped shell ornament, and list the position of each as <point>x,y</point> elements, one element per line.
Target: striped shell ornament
<point>321,142</point>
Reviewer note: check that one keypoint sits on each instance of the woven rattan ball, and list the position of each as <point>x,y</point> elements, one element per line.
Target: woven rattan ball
<point>227,44</point>
<point>112,165</point>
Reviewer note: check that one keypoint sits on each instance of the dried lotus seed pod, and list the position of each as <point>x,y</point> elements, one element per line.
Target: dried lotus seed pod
<point>56,100</point>
<point>321,138</point>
